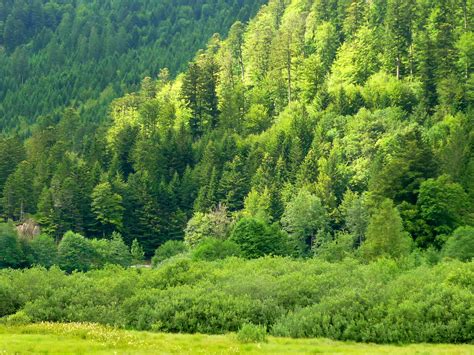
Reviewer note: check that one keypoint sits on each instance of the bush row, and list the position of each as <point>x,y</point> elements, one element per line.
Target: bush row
<point>385,301</point>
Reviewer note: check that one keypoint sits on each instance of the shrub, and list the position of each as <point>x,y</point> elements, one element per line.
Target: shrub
<point>337,249</point>
<point>19,318</point>
<point>250,333</point>
<point>168,250</point>
<point>195,309</point>
<point>214,249</point>
<point>418,306</point>
<point>9,302</point>
<point>461,244</point>
<point>387,301</point>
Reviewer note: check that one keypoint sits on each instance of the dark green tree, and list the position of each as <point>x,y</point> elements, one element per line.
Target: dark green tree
<point>44,251</point>
<point>76,253</point>
<point>256,239</point>
<point>11,254</point>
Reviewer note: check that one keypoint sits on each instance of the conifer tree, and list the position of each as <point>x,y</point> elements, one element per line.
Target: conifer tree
<point>107,206</point>
<point>385,234</point>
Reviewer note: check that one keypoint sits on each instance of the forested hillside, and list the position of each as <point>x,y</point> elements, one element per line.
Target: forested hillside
<point>324,127</point>
<point>60,53</point>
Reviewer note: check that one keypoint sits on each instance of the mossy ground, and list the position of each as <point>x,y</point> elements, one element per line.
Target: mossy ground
<point>48,338</point>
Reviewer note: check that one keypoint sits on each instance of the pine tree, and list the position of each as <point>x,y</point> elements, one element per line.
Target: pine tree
<point>19,195</point>
<point>398,35</point>
<point>233,185</point>
<point>46,213</point>
<point>12,153</point>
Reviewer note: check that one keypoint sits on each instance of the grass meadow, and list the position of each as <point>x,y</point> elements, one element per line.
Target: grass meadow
<point>85,338</point>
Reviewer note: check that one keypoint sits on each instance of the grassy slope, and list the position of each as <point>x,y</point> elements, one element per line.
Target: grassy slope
<point>90,338</point>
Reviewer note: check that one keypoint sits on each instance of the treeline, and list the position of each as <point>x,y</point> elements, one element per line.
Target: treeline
<point>248,239</point>
<point>72,253</point>
<point>55,54</point>
<point>320,124</point>
<point>382,302</point>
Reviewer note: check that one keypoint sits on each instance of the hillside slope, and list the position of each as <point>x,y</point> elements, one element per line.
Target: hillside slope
<point>54,54</point>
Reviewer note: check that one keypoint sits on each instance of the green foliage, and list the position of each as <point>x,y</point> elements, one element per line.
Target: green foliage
<point>12,153</point>
<point>384,301</point>
<point>395,312</point>
<point>215,249</point>
<point>460,244</point>
<point>382,90</point>
<point>113,251</point>
<point>385,235</point>
<point>256,238</point>
<point>18,194</point>
<point>197,229</point>
<point>342,246</point>
<point>354,211</point>
<point>9,301</point>
<point>258,205</point>
<point>168,250</point>
<point>103,48</point>
<point>107,207</point>
<point>44,250</point>
<point>443,205</point>
<point>19,318</point>
<point>199,92</point>
<point>250,333</point>
<point>76,253</point>
<point>309,116</point>
<point>214,224</point>
<point>304,218</point>
<point>136,250</point>
<point>11,254</point>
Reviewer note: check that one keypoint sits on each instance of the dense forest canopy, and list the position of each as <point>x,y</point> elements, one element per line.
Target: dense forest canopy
<point>320,127</point>
<point>82,53</point>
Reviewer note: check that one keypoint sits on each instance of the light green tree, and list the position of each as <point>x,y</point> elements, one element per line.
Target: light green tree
<point>215,224</point>
<point>138,255</point>
<point>258,205</point>
<point>460,245</point>
<point>305,218</point>
<point>107,206</point>
<point>385,234</point>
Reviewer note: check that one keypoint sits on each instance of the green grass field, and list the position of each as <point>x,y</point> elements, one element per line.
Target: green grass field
<point>48,338</point>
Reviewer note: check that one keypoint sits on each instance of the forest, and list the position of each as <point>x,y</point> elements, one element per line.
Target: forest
<point>56,54</point>
<point>309,173</point>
